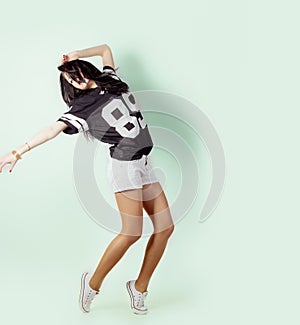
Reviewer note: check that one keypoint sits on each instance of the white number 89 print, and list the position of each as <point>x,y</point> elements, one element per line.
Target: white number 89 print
<point>117,114</point>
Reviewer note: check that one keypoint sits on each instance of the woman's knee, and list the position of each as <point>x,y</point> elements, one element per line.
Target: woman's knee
<point>170,230</point>
<point>166,232</point>
<point>130,239</point>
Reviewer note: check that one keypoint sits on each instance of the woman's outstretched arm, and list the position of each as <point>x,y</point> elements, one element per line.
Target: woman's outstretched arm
<point>101,50</point>
<point>42,136</point>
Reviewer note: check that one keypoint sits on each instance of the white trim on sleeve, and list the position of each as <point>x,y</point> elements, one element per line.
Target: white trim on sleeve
<point>78,122</point>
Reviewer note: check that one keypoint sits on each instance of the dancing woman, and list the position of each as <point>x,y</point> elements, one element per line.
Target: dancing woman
<point>101,106</point>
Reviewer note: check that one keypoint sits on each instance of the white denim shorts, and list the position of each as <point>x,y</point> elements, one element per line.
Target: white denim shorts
<point>132,174</point>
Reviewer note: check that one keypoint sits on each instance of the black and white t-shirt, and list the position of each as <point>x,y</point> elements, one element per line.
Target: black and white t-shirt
<point>110,118</point>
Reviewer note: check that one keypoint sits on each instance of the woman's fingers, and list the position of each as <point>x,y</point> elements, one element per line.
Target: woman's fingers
<point>69,57</point>
<point>65,58</point>
<point>8,159</point>
<point>3,163</point>
<point>12,166</point>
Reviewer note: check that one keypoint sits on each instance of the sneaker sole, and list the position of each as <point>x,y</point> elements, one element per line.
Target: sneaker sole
<point>83,277</point>
<point>135,310</point>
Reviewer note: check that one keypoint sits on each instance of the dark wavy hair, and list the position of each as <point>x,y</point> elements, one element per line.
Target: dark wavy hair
<point>103,80</point>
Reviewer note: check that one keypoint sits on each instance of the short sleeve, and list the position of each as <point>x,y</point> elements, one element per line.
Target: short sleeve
<point>75,120</point>
<point>111,71</point>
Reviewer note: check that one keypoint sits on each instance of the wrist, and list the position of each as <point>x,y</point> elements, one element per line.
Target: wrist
<point>79,53</point>
<point>24,148</point>
<point>16,154</point>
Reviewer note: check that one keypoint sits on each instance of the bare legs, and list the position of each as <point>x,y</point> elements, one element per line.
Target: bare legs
<point>156,206</point>
<point>131,204</point>
<point>113,253</point>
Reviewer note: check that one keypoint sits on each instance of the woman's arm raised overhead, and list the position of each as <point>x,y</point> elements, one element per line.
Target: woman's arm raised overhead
<point>42,136</point>
<point>101,50</point>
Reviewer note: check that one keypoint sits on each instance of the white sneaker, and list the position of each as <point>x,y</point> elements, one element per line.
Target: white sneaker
<point>87,294</point>
<point>137,298</point>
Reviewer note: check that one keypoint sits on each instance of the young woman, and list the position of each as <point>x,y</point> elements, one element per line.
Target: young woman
<point>102,107</point>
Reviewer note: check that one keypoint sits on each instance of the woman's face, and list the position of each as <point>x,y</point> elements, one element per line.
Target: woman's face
<point>83,85</point>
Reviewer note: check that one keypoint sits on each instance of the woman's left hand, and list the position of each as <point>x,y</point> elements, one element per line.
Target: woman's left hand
<point>69,57</point>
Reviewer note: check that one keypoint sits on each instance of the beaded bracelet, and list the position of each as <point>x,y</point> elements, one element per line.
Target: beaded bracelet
<point>16,154</point>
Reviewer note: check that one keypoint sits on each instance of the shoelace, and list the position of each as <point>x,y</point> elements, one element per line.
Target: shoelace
<point>89,299</point>
<point>141,299</point>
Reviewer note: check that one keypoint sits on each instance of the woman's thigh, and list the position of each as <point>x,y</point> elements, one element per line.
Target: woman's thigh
<point>130,206</point>
<point>156,205</point>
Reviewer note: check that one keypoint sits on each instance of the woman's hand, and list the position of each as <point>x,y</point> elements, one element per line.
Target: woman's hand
<point>103,50</point>
<point>9,158</point>
<point>74,55</point>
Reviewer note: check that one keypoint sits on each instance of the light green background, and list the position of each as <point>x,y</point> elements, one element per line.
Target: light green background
<point>239,62</point>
